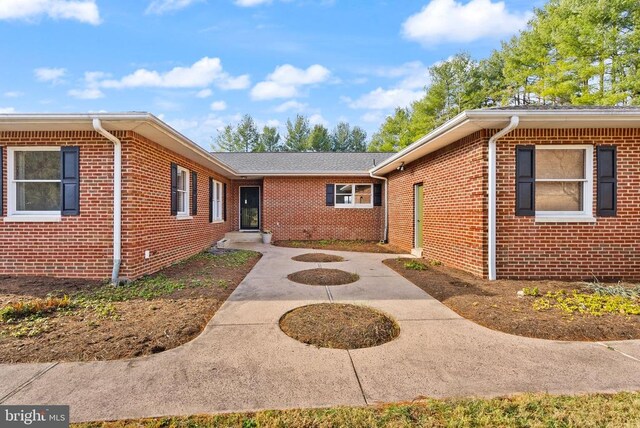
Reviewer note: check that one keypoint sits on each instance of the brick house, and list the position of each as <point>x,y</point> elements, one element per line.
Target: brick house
<point>501,193</point>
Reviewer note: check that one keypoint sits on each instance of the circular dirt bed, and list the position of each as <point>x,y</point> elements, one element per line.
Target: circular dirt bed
<point>323,277</point>
<point>317,258</point>
<point>339,326</point>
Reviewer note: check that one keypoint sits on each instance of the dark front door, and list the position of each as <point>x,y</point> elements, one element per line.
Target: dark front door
<point>249,208</point>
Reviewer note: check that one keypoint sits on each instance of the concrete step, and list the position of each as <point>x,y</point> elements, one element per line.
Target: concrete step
<point>243,236</point>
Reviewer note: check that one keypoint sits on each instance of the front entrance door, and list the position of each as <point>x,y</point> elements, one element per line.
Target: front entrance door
<point>418,214</point>
<point>249,208</point>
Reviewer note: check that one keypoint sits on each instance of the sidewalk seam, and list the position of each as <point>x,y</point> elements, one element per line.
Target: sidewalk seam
<point>364,397</point>
<point>618,351</point>
<point>27,382</point>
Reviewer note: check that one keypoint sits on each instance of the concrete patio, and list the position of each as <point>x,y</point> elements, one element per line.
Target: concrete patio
<point>243,362</point>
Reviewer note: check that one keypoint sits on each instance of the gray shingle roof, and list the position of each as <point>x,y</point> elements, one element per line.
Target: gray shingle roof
<point>311,162</point>
<point>539,107</point>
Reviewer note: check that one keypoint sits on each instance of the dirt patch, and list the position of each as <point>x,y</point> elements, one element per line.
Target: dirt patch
<point>323,277</point>
<point>317,258</point>
<point>150,315</point>
<point>339,326</point>
<point>340,245</point>
<point>496,305</point>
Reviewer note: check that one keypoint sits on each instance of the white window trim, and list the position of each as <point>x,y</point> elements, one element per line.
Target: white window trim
<point>584,216</point>
<point>217,196</point>
<point>184,215</point>
<point>13,215</point>
<point>353,196</point>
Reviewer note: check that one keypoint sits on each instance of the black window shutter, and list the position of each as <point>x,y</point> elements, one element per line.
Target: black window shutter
<point>210,200</point>
<point>377,195</point>
<point>525,180</point>
<point>1,187</point>
<point>330,199</point>
<point>174,189</point>
<point>224,202</point>
<point>194,193</point>
<point>70,159</point>
<point>607,202</point>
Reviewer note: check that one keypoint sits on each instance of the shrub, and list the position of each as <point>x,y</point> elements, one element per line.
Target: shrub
<point>535,291</point>
<point>415,265</point>
<point>589,304</point>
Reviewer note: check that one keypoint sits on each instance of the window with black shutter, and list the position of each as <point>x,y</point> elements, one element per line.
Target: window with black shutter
<point>330,195</point>
<point>70,180</point>
<point>607,199</point>
<point>525,180</point>
<point>194,193</point>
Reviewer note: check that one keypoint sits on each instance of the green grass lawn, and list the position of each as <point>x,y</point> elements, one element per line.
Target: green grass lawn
<point>597,410</point>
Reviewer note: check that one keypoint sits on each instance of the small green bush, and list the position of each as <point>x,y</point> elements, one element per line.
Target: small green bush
<point>535,291</point>
<point>415,265</point>
<point>588,304</point>
<point>38,307</point>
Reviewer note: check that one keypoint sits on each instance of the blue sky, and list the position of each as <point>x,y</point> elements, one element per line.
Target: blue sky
<point>200,64</point>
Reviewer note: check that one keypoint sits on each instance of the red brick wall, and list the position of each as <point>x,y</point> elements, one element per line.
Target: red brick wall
<point>147,220</point>
<point>608,249</point>
<point>454,225</point>
<point>295,208</point>
<point>82,246</point>
<point>78,246</point>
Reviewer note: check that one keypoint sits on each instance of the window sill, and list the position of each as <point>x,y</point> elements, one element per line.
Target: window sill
<point>217,222</point>
<point>567,219</point>
<point>184,217</point>
<point>33,218</point>
<point>346,207</point>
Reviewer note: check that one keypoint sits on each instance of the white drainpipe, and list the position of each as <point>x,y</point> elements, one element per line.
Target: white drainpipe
<point>515,120</point>
<point>386,206</point>
<point>117,198</point>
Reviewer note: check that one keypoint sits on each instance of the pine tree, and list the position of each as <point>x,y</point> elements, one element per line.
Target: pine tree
<point>298,131</point>
<point>270,139</point>
<point>319,139</point>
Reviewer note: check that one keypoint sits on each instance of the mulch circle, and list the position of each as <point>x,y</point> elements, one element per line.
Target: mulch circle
<point>323,277</point>
<point>339,326</point>
<point>317,258</point>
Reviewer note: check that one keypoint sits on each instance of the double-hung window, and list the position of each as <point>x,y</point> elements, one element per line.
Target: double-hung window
<point>563,181</point>
<point>216,201</point>
<point>34,181</point>
<point>183,192</point>
<point>354,196</point>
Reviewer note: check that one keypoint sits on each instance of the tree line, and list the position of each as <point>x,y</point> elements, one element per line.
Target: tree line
<point>573,52</point>
<point>300,137</point>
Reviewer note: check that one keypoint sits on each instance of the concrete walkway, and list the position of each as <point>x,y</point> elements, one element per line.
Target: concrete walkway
<point>243,362</point>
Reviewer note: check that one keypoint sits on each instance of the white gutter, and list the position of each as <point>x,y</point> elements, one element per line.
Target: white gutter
<point>385,238</point>
<point>117,199</point>
<point>491,238</point>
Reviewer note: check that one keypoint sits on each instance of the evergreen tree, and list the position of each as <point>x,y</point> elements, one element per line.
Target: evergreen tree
<point>229,141</point>
<point>248,134</point>
<point>319,139</point>
<point>270,139</point>
<point>298,131</point>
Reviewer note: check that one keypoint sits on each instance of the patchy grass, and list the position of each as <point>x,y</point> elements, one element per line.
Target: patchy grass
<point>585,411</point>
<point>555,310</point>
<point>342,245</point>
<point>339,326</point>
<point>100,321</point>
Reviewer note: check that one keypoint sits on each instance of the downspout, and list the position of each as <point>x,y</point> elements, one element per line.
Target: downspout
<point>491,238</point>
<point>385,239</point>
<point>117,199</point>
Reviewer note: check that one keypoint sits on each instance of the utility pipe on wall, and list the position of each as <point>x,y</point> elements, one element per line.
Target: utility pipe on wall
<point>386,206</point>
<point>117,199</point>
<point>491,237</point>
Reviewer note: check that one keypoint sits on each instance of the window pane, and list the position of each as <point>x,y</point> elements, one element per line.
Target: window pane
<point>363,199</point>
<point>38,196</point>
<point>563,163</point>
<point>363,189</point>
<point>37,165</point>
<point>344,188</point>
<point>558,196</point>
<point>182,180</point>
<point>343,199</point>
<point>181,201</point>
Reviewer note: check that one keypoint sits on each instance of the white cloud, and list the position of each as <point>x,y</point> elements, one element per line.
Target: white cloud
<point>372,117</point>
<point>290,105</point>
<point>317,119</point>
<point>202,73</point>
<point>13,94</point>
<point>414,74</point>
<point>218,106</point>
<point>286,81</point>
<point>86,94</point>
<point>204,93</point>
<point>159,7</point>
<point>7,110</point>
<point>80,10</point>
<point>251,3</point>
<point>443,21</point>
<point>46,74</point>
<point>382,99</point>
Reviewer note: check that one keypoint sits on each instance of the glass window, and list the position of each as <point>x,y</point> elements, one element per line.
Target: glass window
<point>354,195</point>
<point>35,181</point>
<point>562,180</point>
<point>183,192</point>
<point>218,190</point>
